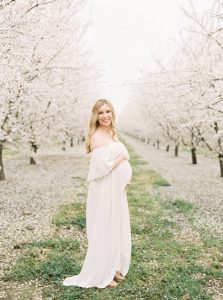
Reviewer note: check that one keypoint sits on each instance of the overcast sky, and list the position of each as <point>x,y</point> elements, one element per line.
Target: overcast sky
<point>126,35</point>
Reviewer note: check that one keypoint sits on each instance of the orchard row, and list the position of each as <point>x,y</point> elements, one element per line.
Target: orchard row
<point>46,73</point>
<point>182,103</point>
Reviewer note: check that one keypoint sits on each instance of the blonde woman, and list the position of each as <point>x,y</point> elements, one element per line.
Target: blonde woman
<point>107,216</point>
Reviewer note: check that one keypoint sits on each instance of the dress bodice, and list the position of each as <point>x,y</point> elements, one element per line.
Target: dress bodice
<point>102,159</point>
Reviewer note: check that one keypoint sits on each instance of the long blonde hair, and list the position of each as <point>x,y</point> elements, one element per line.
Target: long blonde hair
<point>93,123</point>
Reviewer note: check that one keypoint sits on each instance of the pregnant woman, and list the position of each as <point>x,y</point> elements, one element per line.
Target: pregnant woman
<point>107,216</point>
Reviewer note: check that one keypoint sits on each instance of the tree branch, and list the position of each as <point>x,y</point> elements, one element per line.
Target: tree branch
<point>38,4</point>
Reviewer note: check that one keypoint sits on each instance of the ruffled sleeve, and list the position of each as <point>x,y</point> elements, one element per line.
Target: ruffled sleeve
<point>102,159</point>
<point>100,165</point>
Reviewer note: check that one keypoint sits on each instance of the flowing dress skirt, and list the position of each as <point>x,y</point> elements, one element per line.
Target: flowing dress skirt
<point>108,223</point>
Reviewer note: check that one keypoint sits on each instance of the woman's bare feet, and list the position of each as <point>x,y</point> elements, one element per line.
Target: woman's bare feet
<point>119,276</point>
<point>112,284</point>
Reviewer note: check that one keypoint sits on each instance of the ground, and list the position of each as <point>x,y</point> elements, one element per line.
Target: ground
<point>32,199</point>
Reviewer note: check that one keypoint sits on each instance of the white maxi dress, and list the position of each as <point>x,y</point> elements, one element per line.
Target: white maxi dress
<point>107,219</point>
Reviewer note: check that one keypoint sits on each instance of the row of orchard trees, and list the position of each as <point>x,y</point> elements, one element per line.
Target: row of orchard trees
<point>45,72</point>
<point>182,103</point>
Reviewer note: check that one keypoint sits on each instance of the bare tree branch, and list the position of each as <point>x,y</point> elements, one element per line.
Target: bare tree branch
<point>39,4</point>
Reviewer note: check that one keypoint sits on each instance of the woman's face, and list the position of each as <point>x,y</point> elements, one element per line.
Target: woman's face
<point>105,116</point>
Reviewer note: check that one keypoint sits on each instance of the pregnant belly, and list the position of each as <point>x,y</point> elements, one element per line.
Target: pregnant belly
<point>124,171</point>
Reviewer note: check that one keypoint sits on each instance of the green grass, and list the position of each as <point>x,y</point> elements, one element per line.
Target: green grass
<point>164,264</point>
<point>46,260</point>
<point>9,151</point>
<point>71,214</point>
<point>58,245</point>
<point>179,206</point>
<point>145,176</point>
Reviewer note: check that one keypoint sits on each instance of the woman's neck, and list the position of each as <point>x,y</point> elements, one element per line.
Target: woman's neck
<point>104,129</point>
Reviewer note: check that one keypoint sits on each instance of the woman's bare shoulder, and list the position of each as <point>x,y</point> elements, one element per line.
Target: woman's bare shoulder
<point>96,140</point>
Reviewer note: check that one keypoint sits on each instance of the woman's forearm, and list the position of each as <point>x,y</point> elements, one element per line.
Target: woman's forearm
<point>119,159</point>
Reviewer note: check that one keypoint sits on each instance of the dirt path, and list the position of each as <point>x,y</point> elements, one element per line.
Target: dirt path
<point>200,184</point>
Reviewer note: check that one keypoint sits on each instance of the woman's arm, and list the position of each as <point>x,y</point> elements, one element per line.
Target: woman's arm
<point>119,159</point>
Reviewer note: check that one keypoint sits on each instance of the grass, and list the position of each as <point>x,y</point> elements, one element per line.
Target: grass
<point>71,214</point>
<point>179,206</point>
<point>46,260</point>
<point>165,264</point>
<point>9,151</point>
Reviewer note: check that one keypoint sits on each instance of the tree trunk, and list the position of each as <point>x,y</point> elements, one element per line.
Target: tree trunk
<point>32,161</point>
<point>194,156</point>
<point>34,149</point>
<point>220,156</point>
<point>158,144</point>
<point>167,148</point>
<point>2,175</point>
<point>72,142</point>
<point>64,146</point>
<point>176,150</point>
